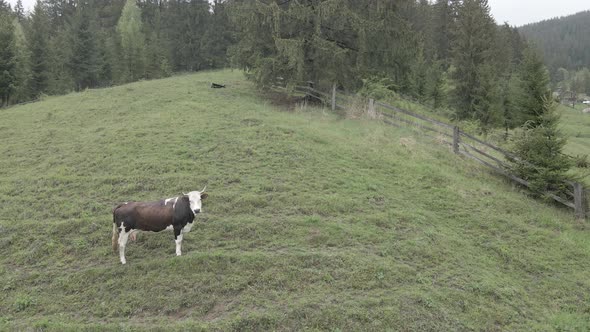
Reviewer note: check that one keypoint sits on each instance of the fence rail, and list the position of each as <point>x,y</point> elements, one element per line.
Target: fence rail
<point>483,152</point>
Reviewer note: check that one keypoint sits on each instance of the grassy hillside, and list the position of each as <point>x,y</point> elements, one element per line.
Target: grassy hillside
<point>313,222</point>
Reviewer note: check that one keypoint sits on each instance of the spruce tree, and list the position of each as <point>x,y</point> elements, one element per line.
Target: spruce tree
<point>84,61</point>
<point>7,57</point>
<point>19,11</point>
<point>472,57</point>
<point>129,29</point>
<point>539,144</point>
<point>532,91</point>
<point>39,50</point>
<point>540,151</point>
<point>186,25</point>
<point>23,64</point>
<point>443,19</point>
<point>218,37</point>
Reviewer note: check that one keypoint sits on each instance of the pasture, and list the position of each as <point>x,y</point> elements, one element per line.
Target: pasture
<point>577,126</point>
<point>313,222</point>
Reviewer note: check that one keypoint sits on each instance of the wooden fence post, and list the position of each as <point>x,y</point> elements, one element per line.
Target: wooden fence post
<point>456,139</point>
<point>579,201</point>
<point>334,97</point>
<point>371,110</point>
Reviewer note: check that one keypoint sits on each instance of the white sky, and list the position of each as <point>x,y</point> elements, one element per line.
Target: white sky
<point>515,12</point>
<point>520,12</point>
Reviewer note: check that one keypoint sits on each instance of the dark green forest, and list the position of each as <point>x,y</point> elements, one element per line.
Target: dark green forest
<point>448,54</point>
<point>565,45</point>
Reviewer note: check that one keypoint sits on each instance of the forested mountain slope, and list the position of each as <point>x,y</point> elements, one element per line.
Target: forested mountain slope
<point>564,41</point>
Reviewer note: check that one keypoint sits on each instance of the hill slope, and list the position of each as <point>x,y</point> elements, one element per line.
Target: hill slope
<point>313,222</point>
<point>564,41</point>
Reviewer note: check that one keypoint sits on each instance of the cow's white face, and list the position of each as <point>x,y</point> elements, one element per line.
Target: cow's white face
<point>195,198</point>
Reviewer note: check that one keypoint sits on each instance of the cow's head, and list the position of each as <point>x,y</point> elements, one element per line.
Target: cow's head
<point>195,198</point>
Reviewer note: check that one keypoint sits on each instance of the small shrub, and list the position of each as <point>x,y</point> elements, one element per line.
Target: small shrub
<point>378,88</point>
<point>581,161</point>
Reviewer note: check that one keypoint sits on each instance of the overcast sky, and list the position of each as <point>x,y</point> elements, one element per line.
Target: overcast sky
<point>520,12</point>
<point>515,12</point>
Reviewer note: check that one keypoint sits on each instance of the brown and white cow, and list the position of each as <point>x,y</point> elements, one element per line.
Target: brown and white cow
<point>176,214</point>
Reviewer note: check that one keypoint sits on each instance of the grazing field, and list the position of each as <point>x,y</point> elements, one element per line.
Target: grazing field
<point>577,126</point>
<point>313,222</point>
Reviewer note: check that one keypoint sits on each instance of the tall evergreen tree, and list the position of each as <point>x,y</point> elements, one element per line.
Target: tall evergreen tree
<point>59,12</point>
<point>443,19</point>
<point>539,144</point>
<point>39,50</point>
<point>539,147</point>
<point>132,39</point>
<point>472,54</point>
<point>218,37</point>
<point>5,7</point>
<point>186,25</point>
<point>23,64</point>
<point>19,11</point>
<point>532,91</point>
<point>7,57</point>
<point>85,61</point>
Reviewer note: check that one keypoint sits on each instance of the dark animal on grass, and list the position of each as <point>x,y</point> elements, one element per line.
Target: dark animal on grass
<point>176,214</point>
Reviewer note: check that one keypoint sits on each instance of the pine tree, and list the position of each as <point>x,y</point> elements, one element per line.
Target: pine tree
<point>19,11</point>
<point>186,25</point>
<point>540,143</point>
<point>435,84</point>
<point>472,54</point>
<point>540,150</point>
<point>419,77</point>
<point>5,7</point>
<point>532,92</point>
<point>443,19</point>
<point>132,39</point>
<point>7,57</point>
<point>84,61</point>
<point>60,11</point>
<point>39,50</point>
<point>23,65</point>
<point>325,41</point>
<point>218,37</point>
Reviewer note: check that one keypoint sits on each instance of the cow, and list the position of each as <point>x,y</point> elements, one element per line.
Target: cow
<point>176,214</point>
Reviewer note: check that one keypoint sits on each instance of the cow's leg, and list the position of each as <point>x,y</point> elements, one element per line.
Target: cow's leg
<point>178,240</point>
<point>123,236</point>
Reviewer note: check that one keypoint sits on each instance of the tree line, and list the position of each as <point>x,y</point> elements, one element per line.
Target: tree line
<point>565,46</point>
<point>71,45</point>
<point>448,53</point>
<point>563,41</point>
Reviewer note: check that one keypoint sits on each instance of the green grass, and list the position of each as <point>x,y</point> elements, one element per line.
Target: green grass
<point>313,222</point>
<point>577,126</point>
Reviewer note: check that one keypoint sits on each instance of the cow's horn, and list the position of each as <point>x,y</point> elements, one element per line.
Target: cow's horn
<point>204,189</point>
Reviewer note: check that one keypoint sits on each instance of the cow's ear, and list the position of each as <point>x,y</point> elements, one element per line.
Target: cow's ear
<point>204,195</point>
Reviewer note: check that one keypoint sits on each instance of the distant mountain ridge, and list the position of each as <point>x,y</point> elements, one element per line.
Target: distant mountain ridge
<point>564,41</point>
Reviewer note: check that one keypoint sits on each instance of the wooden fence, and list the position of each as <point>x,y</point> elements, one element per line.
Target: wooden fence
<point>461,142</point>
